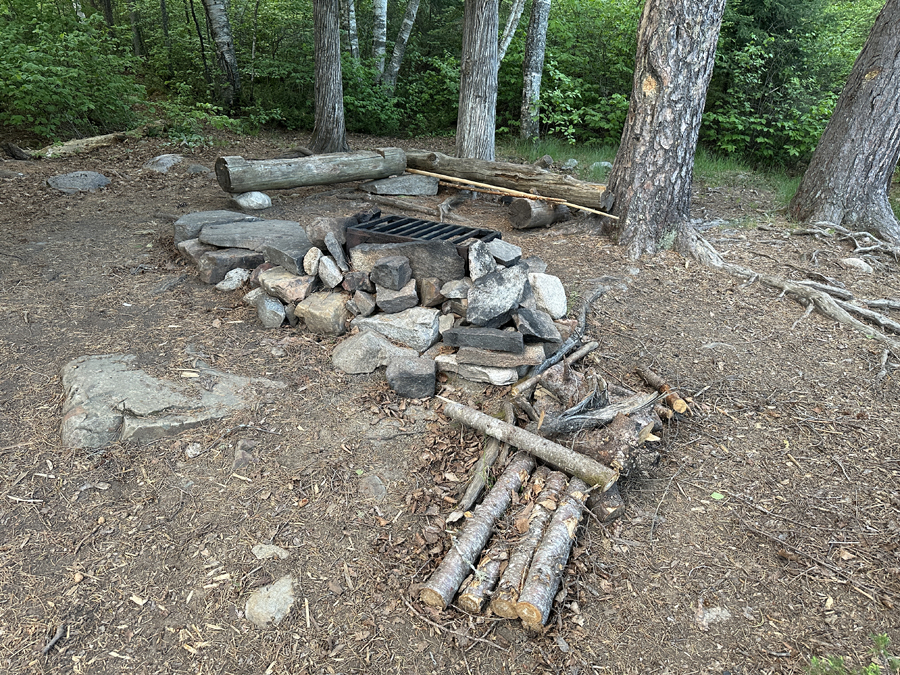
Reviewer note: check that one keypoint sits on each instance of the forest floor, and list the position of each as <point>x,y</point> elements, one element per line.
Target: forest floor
<point>767,534</point>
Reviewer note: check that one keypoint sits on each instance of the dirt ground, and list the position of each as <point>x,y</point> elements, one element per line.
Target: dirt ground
<point>768,533</point>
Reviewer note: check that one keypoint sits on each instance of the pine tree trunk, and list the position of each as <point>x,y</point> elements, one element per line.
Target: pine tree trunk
<point>379,33</point>
<point>533,67</point>
<point>220,28</point>
<point>849,176</point>
<point>512,22</point>
<point>329,133</point>
<point>650,183</point>
<point>389,77</point>
<point>476,120</point>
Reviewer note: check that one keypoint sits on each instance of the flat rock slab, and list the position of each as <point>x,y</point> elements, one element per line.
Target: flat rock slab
<point>447,363</point>
<point>391,302</point>
<point>485,338</point>
<point>162,163</point>
<point>216,263</point>
<point>365,352</point>
<point>78,181</point>
<point>533,355</point>
<point>108,400</point>
<point>407,184</point>
<point>438,259</point>
<point>504,253</point>
<point>256,235</point>
<point>416,328</point>
<point>266,607</point>
<point>189,226</point>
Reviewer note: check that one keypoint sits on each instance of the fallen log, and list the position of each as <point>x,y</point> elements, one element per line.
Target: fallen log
<point>525,214</point>
<point>236,174</point>
<point>591,471</point>
<point>670,396</point>
<point>521,177</point>
<point>507,594</point>
<point>550,558</point>
<point>440,588</point>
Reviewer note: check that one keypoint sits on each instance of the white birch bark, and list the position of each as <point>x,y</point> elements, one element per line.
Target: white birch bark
<point>512,23</point>
<point>533,68</point>
<point>219,26</point>
<point>379,33</point>
<point>476,120</point>
<point>389,77</point>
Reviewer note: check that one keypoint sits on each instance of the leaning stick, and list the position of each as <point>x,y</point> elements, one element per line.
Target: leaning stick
<point>440,588</point>
<point>671,396</point>
<point>507,594</point>
<point>479,474</point>
<point>550,558</point>
<point>591,471</point>
<point>507,191</point>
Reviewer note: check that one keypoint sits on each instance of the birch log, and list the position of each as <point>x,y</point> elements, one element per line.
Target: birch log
<point>479,585</point>
<point>440,588</point>
<point>550,558</point>
<point>592,472</point>
<point>507,594</point>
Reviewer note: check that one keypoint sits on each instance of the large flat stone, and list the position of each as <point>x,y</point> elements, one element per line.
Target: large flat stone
<point>321,226</point>
<point>189,226</point>
<point>536,326</point>
<point>365,352</point>
<point>391,302</point>
<point>484,338</point>
<point>287,257</point>
<point>325,313</point>
<point>504,253</point>
<point>78,181</point>
<point>416,328</point>
<point>437,259</point>
<point>214,265</point>
<point>407,184</point>
<point>495,295</point>
<point>447,363</point>
<point>257,235</point>
<point>532,355</point>
<point>193,249</point>
<point>108,400</point>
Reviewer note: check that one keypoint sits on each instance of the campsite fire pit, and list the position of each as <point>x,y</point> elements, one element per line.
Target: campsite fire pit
<point>399,229</point>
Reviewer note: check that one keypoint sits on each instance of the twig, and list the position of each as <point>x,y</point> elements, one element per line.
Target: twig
<point>661,500</point>
<point>57,636</point>
<point>453,632</point>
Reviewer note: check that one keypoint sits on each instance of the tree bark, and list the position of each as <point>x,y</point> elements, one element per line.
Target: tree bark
<point>532,69</point>
<point>440,588</point>
<point>379,33</point>
<point>476,120</point>
<point>596,418</point>
<point>108,15</point>
<point>650,182</point>
<point>849,176</point>
<point>389,77</point>
<point>219,26</point>
<point>236,174</point>
<point>528,213</point>
<point>512,23</point>
<point>329,131</point>
<point>352,32</point>
<point>137,39</point>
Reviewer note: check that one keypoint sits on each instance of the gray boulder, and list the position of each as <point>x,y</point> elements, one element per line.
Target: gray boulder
<point>392,272</point>
<point>270,311</point>
<point>364,352</point>
<point>549,294</point>
<point>504,253</point>
<point>407,184</point>
<point>412,376</point>
<point>391,302</point>
<point>189,226</point>
<point>193,249</point>
<point>481,262</point>
<point>321,226</point>
<point>162,163</point>
<point>495,295</point>
<point>426,259</point>
<point>336,249</point>
<point>252,201</point>
<point>215,264</point>
<point>328,272</point>
<point>484,338</point>
<point>536,326</point>
<point>287,257</point>
<point>256,235</point>
<point>268,606</point>
<point>78,181</point>
<point>447,363</point>
<point>416,328</point>
<point>324,313</point>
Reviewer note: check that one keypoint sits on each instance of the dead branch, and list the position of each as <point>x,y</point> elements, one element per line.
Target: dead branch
<point>525,387</point>
<point>670,395</point>
<point>597,418</point>
<point>875,317</point>
<point>57,636</point>
<point>481,582</point>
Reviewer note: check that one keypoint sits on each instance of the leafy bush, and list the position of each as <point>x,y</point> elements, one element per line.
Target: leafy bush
<point>429,95</point>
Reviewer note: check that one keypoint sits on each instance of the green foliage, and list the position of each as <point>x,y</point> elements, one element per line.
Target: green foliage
<point>882,662</point>
<point>66,79</point>
<point>368,108</point>
<point>429,96</point>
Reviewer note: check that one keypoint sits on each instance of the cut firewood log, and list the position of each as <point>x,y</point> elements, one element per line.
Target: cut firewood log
<point>440,588</point>
<point>616,445</point>
<point>589,470</point>
<point>608,505</point>
<point>671,396</point>
<point>595,418</point>
<point>507,594</point>
<point>550,558</point>
<point>236,174</point>
<point>525,214</point>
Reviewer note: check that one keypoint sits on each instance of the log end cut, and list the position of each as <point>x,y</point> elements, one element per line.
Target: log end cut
<point>504,607</point>
<point>531,615</point>
<point>432,598</point>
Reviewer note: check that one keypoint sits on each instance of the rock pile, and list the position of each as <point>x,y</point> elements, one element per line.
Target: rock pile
<point>488,318</point>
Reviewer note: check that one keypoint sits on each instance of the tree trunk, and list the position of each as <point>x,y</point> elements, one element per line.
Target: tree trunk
<point>206,74</point>
<point>389,77</point>
<point>650,182</point>
<point>379,33</point>
<point>477,115</point>
<point>167,39</point>
<point>108,15</point>
<point>219,26</point>
<point>525,214</point>
<point>136,39</point>
<point>533,67</point>
<point>352,32</point>
<point>512,22</point>
<point>849,176</point>
<point>329,133</point>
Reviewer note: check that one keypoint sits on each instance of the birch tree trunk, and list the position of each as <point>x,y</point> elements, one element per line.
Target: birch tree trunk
<point>532,68</point>
<point>389,77</point>
<point>650,183</point>
<point>219,26</point>
<point>512,23</point>
<point>329,132</point>
<point>477,115</point>
<point>352,32</point>
<point>849,176</point>
<point>379,33</point>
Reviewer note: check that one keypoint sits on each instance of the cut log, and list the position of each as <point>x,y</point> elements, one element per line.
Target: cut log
<point>236,174</point>
<point>671,396</point>
<point>522,177</point>
<point>439,590</point>
<point>525,214</point>
<point>507,594</point>
<point>550,558</point>
<point>589,470</point>
<point>608,505</point>
<point>617,445</point>
<point>596,418</point>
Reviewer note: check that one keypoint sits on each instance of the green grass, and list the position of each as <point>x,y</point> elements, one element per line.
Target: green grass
<point>560,151</point>
<point>883,663</point>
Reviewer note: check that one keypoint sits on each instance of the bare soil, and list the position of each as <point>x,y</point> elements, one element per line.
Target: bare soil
<point>768,533</point>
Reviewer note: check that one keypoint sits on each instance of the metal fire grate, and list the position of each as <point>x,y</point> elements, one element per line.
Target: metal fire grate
<point>398,229</point>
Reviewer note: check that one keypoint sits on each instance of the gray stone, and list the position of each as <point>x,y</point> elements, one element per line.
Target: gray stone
<point>495,295</point>
<point>858,264</point>
<point>544,162</point>
<point>252,201</point>
<point>189,226</point>
<point>536,325</point>
<point>193,249</point>
<point>256,235</point>
<point>364,352</point>
<point>287,257</point>
<point>214,265</point>
<point>268,606</point>
<point>311,261</point>
<point>162,163</point>
<point>391,302</point>
<point>485,338</point>
<point>372,487</point>
<point>504,253</point>
<point>407,184</point>
<point>107,400</point>
<point>193,451</point>
<point>430,292</point>
<point>569,165</point>
<point>290,313</point>
<point>78,181</point>
<point>527,298</point>
<point>242,459</point>
<point>254,275</point>
<point>533,355</point>
<point>336,249</point>
<point>447,363</point>
<point>266,551</point>
<point>455,306</point>
<point>534,264</point>
<point>253,296</point>
<point>233,280</point>
<point>426,259</point>
<point>457,289</point>
<point>285,286</point>
<point>445,323</point>
<point>328,272</point>
<point>549,294</point>
<point>391,272</point>
<point>601,166</point>
<point>357,281</point>
<point>321,226</point>
<point>364,303</point>
<point>270,311</point>
<point>412,377</point>
<point>416,328</point>
<point>481,262</point>
<point>324,313</point>
<point>198,168</point>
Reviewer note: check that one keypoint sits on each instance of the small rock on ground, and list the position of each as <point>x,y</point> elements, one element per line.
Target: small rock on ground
<point>269,605</point>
